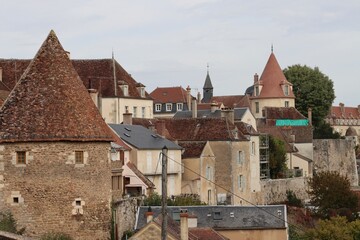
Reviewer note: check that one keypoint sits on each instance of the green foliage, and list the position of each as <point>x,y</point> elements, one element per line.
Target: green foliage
<point>323,130</point>
<point>8,224</point>
<point>335,228</point>
<point>55,236</point>
<point>154,199</point>
<point>312,89</point>
<point>292,199</point>
<point>330,192</point>
<point>277,157</point>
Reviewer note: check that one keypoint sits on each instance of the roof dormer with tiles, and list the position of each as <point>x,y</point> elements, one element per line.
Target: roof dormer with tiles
<point>271,90</point>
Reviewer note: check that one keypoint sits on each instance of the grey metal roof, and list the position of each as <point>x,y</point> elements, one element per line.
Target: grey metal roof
<point>142,138</point>
<point>238,113</point>
<point>208,84</point>
<point>227,217</point>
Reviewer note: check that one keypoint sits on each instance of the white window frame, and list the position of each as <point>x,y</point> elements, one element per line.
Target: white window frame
<point>179,107</point>
<point>241,183</point>
<point>125,90</point>
<point>241,157</point>
<point>143,112</point>
<point>287,104</point>
<point>168,107</point>
<point>134,111</point>
<point>286,90</point>
<point>208,173</point>
<point>158,107</point>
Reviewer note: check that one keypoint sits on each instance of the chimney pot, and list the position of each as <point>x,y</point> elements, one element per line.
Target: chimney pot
<point>1,73</point>
<point>127,117</point>
<point>256,78</point>
<point>184,225</point>
<point>149,215</point>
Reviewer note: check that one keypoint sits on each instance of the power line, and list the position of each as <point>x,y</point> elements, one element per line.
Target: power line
<point>232,193</point>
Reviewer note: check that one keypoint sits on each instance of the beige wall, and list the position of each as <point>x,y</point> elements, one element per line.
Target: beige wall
<point>55,194</point>
<point>249,118</point>
<point>151,232</point>
<point>261,234</point>
<point>149,163</point>
<point>269,102</point>
<point>112,109</point>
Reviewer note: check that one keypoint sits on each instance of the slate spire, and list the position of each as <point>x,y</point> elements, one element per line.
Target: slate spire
<point>208,88</point>
<point>50,103</point>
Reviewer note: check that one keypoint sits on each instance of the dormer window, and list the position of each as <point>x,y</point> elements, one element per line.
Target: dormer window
<point>168,107</point>
<point>179,106</point>
<point>286,90</point>
<point>125,90</point>
<point>256,91</point>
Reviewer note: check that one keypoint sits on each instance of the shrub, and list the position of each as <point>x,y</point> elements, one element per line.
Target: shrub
<point>292,199</point>
<point>8,224</point>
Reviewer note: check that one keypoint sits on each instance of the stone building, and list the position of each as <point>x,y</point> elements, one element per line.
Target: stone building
<point>342,118</point>
<point>55,166</point>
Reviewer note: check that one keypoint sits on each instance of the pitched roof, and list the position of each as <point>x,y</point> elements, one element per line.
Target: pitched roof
<point>244,217</point>
<point>142,138</point>
<point>273,113</point>
<point>344,112</point>
<point>232,101</point>
<point>192,149</point>
<point>169,95</point>
<point>238,113</point>
<point>140,175</point>
<point>206,234</point>
<point>208,84</point>
<point>272,79</point>
<point>50,103</point>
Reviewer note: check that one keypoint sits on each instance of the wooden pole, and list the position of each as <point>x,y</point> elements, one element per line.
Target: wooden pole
<point>164,194</point>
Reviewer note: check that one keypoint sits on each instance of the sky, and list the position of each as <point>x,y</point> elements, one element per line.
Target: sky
<point>166,43</point>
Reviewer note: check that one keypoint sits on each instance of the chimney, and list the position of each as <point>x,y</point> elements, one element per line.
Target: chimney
<point>342,108</point>
<point>94,96</point>
<point>310,116</point>
<point>199,97</point>
<point>1,72</point>
<point>188,95</point>
<point>229,114</point>
<point>256,78</point>
<point>152,127</point>
<point>214,107</point>
<point>194,109</point>
<point>160,127</point>
<point>149,215</point>
<point>184,228</point>
<point>127,118</point>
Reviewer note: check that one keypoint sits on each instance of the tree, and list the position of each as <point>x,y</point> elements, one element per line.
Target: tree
<point>330,192</point>
<point>277,157</point>
<point>312,89</point>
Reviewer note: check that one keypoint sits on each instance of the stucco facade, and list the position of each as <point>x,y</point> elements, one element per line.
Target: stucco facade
<point>268,234</point>
<point>53,193</point>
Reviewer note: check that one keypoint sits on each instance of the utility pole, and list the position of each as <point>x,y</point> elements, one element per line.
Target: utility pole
<point>164,194</point>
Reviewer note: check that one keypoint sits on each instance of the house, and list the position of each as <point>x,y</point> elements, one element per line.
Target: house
<point>180,230</point>
<point>145,154</point>
<point>170,100</point>
<point>231,222</point>
<point>237,166</point>
<point>342,118</point>
<point>198,158</point>
<point>271,90</point>
<point>112,89</point>
<point>135,182</point>
<point>50,129</point>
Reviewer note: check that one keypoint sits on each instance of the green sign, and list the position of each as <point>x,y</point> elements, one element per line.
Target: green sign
<point>292,122</point>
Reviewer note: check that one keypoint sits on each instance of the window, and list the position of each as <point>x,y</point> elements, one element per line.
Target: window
<point>257,108</point>
<point>142,92</point>
<point>125,90</point>
<point>21,157</point>
<point>208,173</point>
<point>168,107</point>
<point>15,200</point>
<point>217,216</point>
<point>241,157</point>
<point>157,107</point>
<point>134,112</point>
<point>79,157</point>
<point>116,182</point>
<point>253,148</point>
<point>179,106</point>
<point>286,90</point>
<point>241,182</point>
<point>256,91</point>
<point>143,112</point>
<point>209,197</point>
<point>286,103</point>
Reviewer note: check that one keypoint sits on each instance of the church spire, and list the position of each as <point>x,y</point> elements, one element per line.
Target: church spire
<point>208,88</point>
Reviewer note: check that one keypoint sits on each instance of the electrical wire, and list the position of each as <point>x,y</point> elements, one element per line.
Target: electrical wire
<point>234,194</point>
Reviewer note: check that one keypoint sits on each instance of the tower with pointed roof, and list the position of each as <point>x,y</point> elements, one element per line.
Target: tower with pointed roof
<point>54,151</point>
<point>208,88</point>
<point>271,90</point>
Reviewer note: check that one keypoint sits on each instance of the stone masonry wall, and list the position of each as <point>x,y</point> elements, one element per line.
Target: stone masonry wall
<point>274,190</point>
<point>336,155</point>
<point>125,215</point>
<point>52,193</point>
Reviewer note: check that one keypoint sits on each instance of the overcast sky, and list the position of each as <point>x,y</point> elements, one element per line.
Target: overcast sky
<point>169,42</point>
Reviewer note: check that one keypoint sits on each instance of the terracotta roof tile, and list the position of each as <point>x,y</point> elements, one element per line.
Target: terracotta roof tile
<point>206,234</point>
<point>347,112</point>
<point>235,101</point>
<point>169,95</point>
<point>50,103</point>
<point>140,175</point>
<point>192,149</point>
<point>273,113</point>
<point>272,79</point>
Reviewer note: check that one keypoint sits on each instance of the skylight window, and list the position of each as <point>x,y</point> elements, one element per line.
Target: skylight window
<point>128,129</point>
<point>126,134</point>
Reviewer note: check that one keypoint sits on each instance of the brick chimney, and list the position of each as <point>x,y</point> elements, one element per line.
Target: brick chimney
<point>229,114</point>
<point>194,109</point>
<point>149,215</point>
<point>184,227</point>
<point>127,118</point>
<point>256,78</point>
<point>199,97</point>
<point>310,116</point>
<point>213,107</point>
<point>160,127</point>
<point>342,108</point>
<point>1,72</point>
<point>188,96</point>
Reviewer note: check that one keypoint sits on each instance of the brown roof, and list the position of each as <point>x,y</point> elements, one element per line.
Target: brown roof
<point>273,113</point>
<point>13,69</point>
<point>172,227</point>
<point>50,103</point>
<point>140,175</point>
<point>235,101</point>
<point>272,80</point>
<point>246,129</point>
<point>169,95</point>
<point>344,112</point>
<point>279,134</point>
<point>206,234</point>
<point>192,149</point>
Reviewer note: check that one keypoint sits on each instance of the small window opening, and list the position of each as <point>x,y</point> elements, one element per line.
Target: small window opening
<point>79,157</point>
<point>78,203</point>
<point>15,200</point>
<point>21,157</point>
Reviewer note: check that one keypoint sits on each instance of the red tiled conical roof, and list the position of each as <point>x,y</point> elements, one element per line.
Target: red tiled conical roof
<point>272,79</point>
<point>50,103</point>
